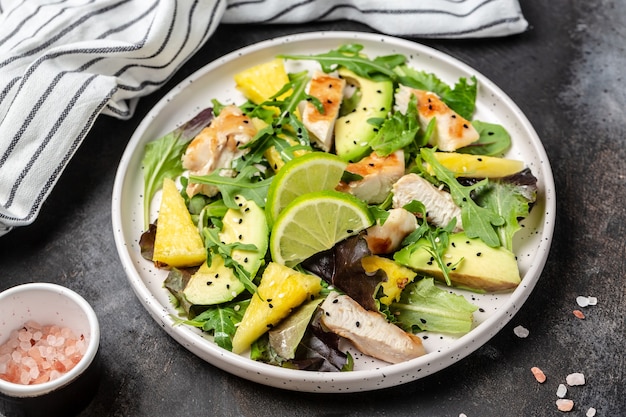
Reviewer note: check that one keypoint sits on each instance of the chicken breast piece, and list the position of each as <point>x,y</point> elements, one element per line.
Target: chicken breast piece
<point>329,91</point>
<point>369,331</point>
<point>440,208</point>
<point>216,146</point>
<point>386,238</point>
<point>452,132</point>
<point>379,174</point>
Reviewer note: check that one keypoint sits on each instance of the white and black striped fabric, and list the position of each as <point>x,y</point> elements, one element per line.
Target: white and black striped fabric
<point>63,63</point>
<point>408,18</point>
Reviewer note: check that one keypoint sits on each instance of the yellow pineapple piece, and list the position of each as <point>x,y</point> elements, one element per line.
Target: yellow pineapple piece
<point>281,290</point>
<point>478,166</point>
<point>398,276</point>
<point>262,81</point>
<point>178,242</point>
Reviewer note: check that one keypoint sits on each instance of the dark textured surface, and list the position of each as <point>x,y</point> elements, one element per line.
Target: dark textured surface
<point>566,73</point>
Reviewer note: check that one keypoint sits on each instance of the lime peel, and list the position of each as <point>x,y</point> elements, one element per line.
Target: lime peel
<point>314,222</point>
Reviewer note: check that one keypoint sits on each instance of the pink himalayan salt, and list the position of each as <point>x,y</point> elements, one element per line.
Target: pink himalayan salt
<point>564,405</point>
<point>538,374</point>
<point>35,354</point>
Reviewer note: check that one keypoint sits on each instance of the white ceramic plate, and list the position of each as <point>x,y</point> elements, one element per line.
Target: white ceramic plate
<point>215,80</point>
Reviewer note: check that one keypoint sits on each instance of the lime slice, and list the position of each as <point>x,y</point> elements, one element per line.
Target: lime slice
<point>314,171</point>
<point>315,222</point>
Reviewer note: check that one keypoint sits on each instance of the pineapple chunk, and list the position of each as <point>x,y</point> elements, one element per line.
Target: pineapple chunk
<point>281,290</point>
<point>477,166</point>
<point>177,242</point>
<point>398,276</point>
<point>272,154</point>
<point>260,82</point>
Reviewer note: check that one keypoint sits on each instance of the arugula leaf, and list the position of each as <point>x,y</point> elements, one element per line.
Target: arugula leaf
<point>220,320</point>
<point>477,221</point>
<point>162,157</point>
<point>215,247</point>
<point>399,131</point>
<point>248,183</point>
<point>437,237</point>
<point>494,140</point>
<point>425,306</point>
<point>349,56</point>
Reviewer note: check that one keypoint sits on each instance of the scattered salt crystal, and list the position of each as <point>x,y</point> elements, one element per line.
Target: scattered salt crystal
<point>462,415</point>
<point>521,331</point>
<point>564,405</point>
<point>575,379</point>
<point>592,302</point>
<point>561,391</point>
<point>591,412</point>
<point>579,314</point>
<point>539,375</point>
<point>582,301</point>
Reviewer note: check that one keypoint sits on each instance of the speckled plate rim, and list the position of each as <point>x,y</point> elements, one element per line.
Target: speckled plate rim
<point>180,104</point>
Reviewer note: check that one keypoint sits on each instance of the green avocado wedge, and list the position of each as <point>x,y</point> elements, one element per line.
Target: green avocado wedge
<point>353,133</point>
<point>474,264</point>
<point>218,283</point>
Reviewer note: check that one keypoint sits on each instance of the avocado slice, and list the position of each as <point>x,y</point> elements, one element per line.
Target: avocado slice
<point>479,266</point>
<point>352,132</point>
<point>218,283</point>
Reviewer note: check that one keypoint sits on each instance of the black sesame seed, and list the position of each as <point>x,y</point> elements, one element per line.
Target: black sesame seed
<point>454,116</point>
<point>453,245</point>
<point>270,305</point>
<point>347,122</point>
<point>465,125</point>
<point>478,254</point>
<point>245,260</point>
<point>228,286</point>
<point>349,231</point>
<point>423,321</point>
<point>335,301</point>
<point>327,314</point>
<point>240,221</point>
<point>358,324</point>
<point>245,121</point>
<point>479,159</point>
<point>209,282</point>
<point>482,310</point>
<point>240,237</point>
<point>329,101</point>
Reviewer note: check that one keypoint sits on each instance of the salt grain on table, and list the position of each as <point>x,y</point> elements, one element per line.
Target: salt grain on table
<point>521,331</point>
<point>564,405</point>
<point>561,391</point>
<point>539,375</point>
<point>575,379</point>
<point>591,412</point>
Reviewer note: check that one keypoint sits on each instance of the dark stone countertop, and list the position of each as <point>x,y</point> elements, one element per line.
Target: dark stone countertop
<point>567,74</point>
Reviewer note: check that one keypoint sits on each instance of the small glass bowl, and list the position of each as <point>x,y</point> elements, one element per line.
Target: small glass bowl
<point>50,304</point>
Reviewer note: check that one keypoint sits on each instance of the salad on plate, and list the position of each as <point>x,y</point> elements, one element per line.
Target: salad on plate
<point>346,208</point>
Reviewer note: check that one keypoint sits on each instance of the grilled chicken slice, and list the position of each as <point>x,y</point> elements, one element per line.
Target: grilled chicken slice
<point>216,146</point>
<point>369,331</point>
<point>329,91</point>
<point>378,172</point>
<point>453,131</point>
<point>386,238</point>
<point>440,208</point>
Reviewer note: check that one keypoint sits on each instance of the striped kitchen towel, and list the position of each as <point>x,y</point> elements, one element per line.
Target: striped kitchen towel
<point>63,63</point>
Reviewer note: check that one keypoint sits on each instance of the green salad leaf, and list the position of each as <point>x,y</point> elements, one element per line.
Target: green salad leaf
<point>350,56</point>
<point>162,157</point>
<point>477,221</point>
<point>426,307</point>
<point>219,320</point>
